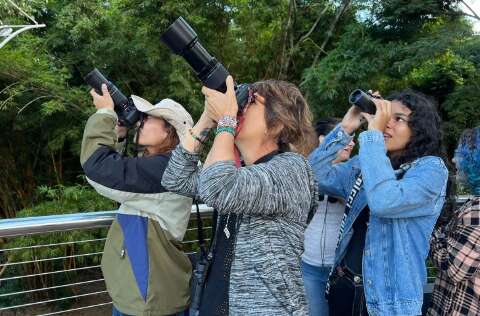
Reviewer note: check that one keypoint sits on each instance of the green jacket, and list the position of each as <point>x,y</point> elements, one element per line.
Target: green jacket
<point>144,267</point>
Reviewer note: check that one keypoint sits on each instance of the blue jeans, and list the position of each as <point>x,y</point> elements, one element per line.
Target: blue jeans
<point>315,279</point>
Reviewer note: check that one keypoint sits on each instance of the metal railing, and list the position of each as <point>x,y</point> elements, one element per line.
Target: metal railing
<point>68,279</point>
<point>41,276</point>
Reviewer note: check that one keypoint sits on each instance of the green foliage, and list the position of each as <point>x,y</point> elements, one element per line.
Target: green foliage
<point>328,47</point>
<point>384,45</point>
<point>440,60</point>
<point>401,20</point>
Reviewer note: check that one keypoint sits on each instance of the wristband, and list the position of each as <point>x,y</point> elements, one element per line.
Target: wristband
<point>226,129</point>
<point>196,137</point>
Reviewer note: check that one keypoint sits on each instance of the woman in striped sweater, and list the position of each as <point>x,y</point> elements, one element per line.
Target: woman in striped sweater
<point>269,197</point>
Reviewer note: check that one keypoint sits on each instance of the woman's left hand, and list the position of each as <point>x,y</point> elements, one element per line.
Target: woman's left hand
<point>381,118</point>
<point>221,104</point>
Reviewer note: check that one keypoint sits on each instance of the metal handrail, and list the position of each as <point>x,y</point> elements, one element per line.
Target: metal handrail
<point>54,223</point>
<point>463,198</point>
<point>64,222</point>
<point>67,222</point>
<point>58,223</point>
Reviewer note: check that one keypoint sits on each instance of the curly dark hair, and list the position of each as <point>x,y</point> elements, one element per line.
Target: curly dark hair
<point>426,140</point>
<point>425,124</point>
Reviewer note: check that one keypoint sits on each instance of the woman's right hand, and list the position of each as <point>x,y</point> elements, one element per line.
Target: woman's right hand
<point>352,120</point>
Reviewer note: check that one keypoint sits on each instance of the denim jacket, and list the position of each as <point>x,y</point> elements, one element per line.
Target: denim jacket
<point>403,213</point>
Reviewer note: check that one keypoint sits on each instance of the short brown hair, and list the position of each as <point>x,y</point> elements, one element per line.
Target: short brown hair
<point>287,110</point>
<point>171,141</point>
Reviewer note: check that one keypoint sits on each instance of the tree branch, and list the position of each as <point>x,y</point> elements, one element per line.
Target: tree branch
<point>340,11</point>
<point>30,102</point>
<point>314,26</point>
<point>287,54</point>
<point>284,60</point>
<point>474,14</point>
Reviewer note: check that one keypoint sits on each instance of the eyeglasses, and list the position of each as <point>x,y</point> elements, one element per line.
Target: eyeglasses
<point>251,95</point>
<point>250,100</point>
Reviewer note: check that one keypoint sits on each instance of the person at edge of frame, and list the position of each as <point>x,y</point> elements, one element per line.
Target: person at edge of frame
<point>455,247</point>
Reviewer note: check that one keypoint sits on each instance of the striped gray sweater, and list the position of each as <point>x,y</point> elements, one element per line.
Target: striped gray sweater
<point>274,198</point>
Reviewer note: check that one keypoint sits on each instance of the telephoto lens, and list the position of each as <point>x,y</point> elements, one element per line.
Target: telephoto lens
<point>127,113</point>
<point>183,41</point>
<point>363,101</point>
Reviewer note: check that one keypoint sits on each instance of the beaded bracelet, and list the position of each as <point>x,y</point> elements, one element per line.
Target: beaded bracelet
<point>227,129</point>
<point>227,121</point>
<point>195,137</point>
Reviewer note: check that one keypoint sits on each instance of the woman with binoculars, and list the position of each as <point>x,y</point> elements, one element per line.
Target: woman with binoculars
<point>394,190</point>
<point>269,196</point>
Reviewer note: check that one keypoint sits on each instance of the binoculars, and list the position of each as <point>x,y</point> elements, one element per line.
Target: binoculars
<point>363,100</point>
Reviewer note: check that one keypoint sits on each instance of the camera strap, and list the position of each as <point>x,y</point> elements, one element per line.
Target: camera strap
<point>137,134</point>
<point>348,207</point>
<point>124,149</point>
<point>201,266</point>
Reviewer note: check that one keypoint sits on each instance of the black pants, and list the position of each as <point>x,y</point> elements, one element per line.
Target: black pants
<point>346,297</point>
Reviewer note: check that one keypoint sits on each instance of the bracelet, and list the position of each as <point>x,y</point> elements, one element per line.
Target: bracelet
<point>227,121</point>
<point>227,129</point>
<point>196,137</point>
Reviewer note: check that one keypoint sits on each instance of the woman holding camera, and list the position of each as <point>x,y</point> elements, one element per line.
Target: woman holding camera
<point>145,269</point>
<point>395,190</point>
<point>270,196</point>
<point>455,247</point>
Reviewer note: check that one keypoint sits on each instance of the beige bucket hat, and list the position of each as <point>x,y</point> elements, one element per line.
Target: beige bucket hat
<point>169,110</point>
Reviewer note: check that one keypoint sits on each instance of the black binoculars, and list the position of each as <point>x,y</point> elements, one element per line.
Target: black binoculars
<point>363,100</point>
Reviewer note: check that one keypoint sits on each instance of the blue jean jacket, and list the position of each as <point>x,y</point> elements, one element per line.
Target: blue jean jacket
<point>403,213</point>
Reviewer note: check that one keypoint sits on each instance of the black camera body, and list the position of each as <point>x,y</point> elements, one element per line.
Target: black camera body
<point>183,41</point>
<point>127,113</point>
<point>363,100</point>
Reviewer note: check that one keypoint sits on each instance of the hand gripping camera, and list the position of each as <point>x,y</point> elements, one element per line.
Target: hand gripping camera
<point>127,113</point>
<point>183,41</point>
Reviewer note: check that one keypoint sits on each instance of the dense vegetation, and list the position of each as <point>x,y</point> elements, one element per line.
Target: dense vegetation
<point>326,47</point>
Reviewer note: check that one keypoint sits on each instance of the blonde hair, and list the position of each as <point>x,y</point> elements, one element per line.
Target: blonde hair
<point>287,113</point>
